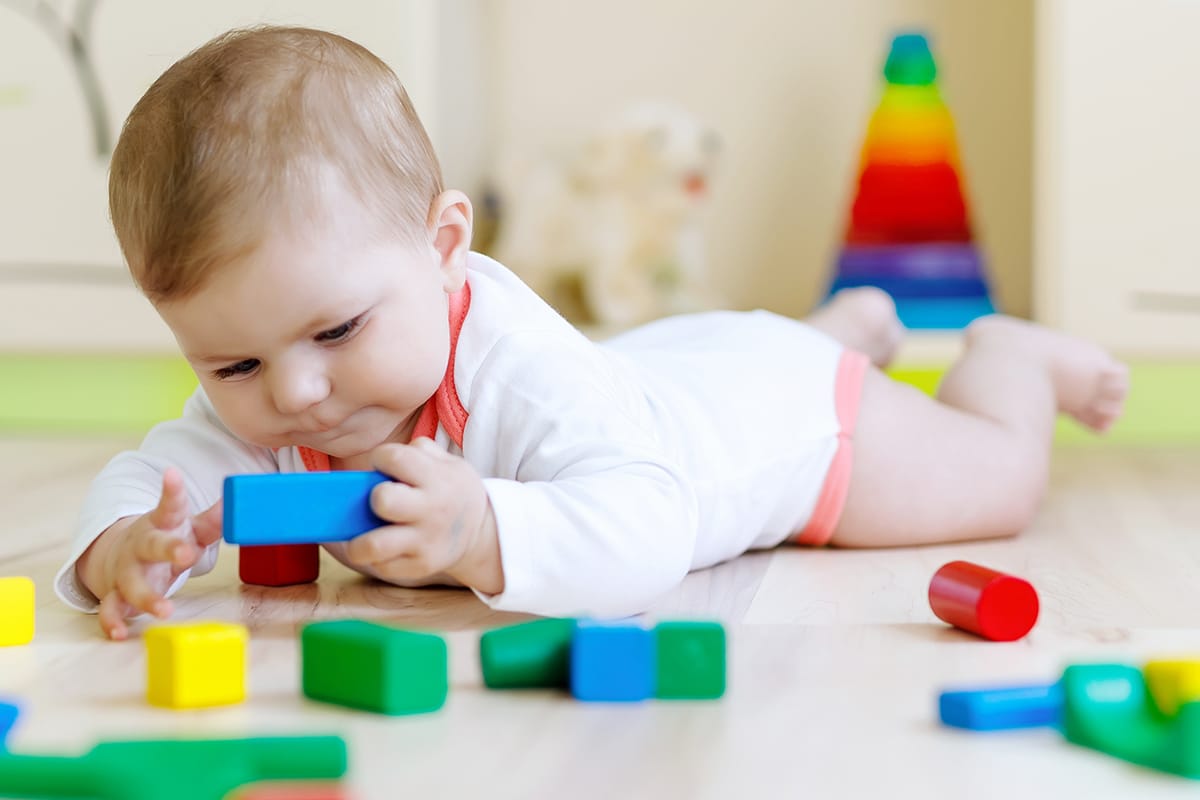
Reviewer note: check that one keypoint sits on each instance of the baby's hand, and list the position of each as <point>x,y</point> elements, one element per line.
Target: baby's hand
<point>441,520</point>
<point>148,553</point>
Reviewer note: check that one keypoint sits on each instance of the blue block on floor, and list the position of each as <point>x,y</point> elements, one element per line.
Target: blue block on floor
<point>8,718</point>
<point>299,508</point>
<point>612,662</point>
<point>1002,708</point>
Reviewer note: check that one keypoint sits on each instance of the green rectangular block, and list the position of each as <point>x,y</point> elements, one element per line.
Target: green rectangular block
<point>691,660</point>
<point>374,667</point>
<point>530,655</point>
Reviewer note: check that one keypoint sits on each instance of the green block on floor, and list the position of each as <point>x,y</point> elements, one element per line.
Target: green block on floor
<point>181,769</point>
<point>530,655</point>
<point>691,660</point>
<point>374,667</point>
<point>1108,708</point>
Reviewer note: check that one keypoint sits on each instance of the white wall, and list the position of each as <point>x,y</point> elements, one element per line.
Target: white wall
<point>790,87</point>
<point>62,286</point>
<point>1118,173</point>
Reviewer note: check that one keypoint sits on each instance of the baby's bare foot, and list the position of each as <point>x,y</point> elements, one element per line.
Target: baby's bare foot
<point>863,319</point>
<point>1089,384</point>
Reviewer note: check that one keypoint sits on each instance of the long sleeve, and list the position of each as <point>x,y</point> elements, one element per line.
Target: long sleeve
<point>593,517</point>
<point>199,446</point>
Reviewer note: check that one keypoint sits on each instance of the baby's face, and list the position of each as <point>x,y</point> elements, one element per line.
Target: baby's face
<point>323,339</point>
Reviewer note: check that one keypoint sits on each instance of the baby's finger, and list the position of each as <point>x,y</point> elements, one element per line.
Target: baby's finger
<point>156,546</point>
<point>113,611</point>
<point>383,544</point>
<point>206,526</point>
<point>172,505</point>
<point>404,463</point>
<point>138,593</point>
<point>397,502</point>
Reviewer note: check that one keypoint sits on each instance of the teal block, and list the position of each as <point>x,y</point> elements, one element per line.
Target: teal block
<point>179,769</point>
<point>1107,707</point>
<point>691,660</point>
<point>942,314</point>
<point>910,61</point>
<point>529,655</point>
<point>374,667</point>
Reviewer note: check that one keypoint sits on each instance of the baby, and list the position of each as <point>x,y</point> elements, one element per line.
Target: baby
<point>279,203</point>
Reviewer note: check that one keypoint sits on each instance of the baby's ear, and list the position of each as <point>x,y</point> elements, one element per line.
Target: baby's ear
<point>451,221</point>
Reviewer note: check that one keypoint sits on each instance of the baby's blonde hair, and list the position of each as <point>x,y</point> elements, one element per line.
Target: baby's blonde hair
<point>242,129</point>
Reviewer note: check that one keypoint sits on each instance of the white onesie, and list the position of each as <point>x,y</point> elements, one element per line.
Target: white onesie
<point>613,469</point>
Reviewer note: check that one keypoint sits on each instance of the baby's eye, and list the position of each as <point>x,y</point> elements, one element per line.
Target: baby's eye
<point>233,371</point>
<point>340,332</point>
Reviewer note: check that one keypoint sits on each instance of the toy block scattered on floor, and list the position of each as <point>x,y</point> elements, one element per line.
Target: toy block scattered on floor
<point>1172,683</point>
<point>291,791</point>
<point>16,611</point>
<point>612,662</point>
<point>196,665</point>
<point>1107,707</point>
<point>528,655</point>
<point>279,564</point>
<point>985,602</point>
<point>374,667</point>
<point>1002,708</point>
<point>690,660</point>
<point>199,769</point>
<point>299,507</point>
<point>8,719</point>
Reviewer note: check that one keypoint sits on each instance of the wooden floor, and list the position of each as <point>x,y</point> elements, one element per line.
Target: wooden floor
<point>835,658</point>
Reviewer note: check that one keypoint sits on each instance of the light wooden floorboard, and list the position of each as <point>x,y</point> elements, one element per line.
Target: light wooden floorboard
<point>835,657</point>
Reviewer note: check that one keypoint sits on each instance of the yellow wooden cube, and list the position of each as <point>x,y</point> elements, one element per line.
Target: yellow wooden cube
<point>195,665</point>
<point>1173,683</point>
<point>16,611</point>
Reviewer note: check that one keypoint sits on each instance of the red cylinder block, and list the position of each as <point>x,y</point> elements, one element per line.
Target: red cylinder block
<point>983,601</point>
<point>279,564</point>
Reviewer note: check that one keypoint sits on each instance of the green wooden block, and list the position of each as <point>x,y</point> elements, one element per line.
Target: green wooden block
<point>1107,707</point>
<point>374,667</point>
<point>691,660</point>
<point>181,769</point>
<point>529,655</point>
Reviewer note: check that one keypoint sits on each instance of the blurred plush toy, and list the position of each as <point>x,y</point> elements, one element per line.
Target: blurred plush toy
<point>616,227</point>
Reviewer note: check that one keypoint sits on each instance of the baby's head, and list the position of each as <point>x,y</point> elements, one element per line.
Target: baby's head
<point>239,137</point>
<point>278,200</point>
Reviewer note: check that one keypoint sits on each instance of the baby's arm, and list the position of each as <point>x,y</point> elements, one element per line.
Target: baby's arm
<point>596,518</point>
<point>131,487</point>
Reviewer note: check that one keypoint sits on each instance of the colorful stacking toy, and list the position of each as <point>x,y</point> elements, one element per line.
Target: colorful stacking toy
<point>909,231</point>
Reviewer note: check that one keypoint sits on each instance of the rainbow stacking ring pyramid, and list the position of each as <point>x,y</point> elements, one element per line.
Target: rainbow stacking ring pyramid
<point>909,232</point>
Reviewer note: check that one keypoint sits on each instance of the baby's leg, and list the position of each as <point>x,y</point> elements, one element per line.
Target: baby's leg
<point>863,319</point>
<point>973,463</point>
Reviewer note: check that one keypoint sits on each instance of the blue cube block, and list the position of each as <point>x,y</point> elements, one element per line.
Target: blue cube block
<point>612,662</point>
<point>8,718</point>
<point>1002,708</point>
<point>300,507</point>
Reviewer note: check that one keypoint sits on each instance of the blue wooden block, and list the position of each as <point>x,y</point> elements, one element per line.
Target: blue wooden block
<point>612,662</point>
<point>1002,708</point>
<point>8,718</point>
<point>299,508</point>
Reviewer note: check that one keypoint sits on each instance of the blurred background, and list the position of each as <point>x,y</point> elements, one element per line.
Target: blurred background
<point>1075,125</point>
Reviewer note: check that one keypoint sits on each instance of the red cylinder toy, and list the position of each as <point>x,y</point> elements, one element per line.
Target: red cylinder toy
<point>279,564</point>
<point>983,601</point>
